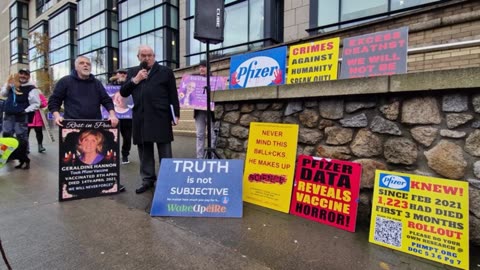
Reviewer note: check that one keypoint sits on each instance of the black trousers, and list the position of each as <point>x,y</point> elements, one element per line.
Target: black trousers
<point>147,160</point>
<point>126,132</point>
<point>38,133</point>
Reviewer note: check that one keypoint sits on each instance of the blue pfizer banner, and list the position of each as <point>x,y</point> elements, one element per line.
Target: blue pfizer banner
<point>258,69</point>
<point>393,181</point>
<point>199,188</point>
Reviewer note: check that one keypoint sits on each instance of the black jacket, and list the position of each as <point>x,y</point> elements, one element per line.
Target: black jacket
<point>81,98</point>
<point>152,98</point>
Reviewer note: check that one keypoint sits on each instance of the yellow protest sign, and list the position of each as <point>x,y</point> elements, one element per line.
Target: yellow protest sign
<point>270,164</point>
<point>313,61</point>
<point>421,215</point>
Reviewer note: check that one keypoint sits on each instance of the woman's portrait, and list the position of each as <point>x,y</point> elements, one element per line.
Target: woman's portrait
<point>120,103</point>
<point>90,146</point>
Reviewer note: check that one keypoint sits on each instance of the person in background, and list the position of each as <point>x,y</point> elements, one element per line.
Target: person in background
<point>22,101</point>
<point>82,95</point>
<point>153,88</point>
<point>201,117</point>
<point>37,123</point>
<point>125,123</point>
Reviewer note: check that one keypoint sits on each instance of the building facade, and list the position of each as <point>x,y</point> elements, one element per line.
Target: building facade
<point>109,31</point>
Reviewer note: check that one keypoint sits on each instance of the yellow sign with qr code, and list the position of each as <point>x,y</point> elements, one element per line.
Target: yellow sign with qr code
<point>421,215</point>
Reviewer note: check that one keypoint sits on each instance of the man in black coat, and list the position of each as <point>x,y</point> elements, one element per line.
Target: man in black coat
<point>154,92</point>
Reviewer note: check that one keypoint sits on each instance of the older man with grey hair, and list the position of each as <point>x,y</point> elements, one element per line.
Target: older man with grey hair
<point>154,92</point>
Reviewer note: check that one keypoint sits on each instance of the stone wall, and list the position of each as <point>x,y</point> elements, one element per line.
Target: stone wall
<point>435,134</point>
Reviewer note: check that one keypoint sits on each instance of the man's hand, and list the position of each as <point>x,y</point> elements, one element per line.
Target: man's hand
<point>175,122</point>
<point>58,119</point>
<point>141,75</point>
<point>113,119</point>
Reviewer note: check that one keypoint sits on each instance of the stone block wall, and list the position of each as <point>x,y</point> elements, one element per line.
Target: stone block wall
<point>434,134</point>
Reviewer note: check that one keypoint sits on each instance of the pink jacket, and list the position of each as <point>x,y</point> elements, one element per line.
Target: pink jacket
<point>37,118</point>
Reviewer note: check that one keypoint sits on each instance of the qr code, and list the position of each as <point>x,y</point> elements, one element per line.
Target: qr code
<point>388,231</point>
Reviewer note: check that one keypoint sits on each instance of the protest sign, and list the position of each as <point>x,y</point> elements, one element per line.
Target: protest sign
<point>199,188</point>
<point>88,163</point>
<point>270,164</point>
<point>326,191</point>
<point>421,215</point>
<point>192,93</point>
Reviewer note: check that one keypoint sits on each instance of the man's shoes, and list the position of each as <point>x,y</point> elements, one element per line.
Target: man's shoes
<point>125,160</point>
<point>142,189</point>
<point>121,188</point>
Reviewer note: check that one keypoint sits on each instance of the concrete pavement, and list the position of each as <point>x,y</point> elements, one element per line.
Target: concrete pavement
<point>117,232</point>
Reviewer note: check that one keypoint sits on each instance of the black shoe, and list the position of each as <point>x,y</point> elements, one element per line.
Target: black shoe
<point>142,189</point>
<point>125,160</point>
<point>121,188</point>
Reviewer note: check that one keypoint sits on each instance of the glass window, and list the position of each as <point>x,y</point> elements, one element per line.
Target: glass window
<point>99,63</point>
<point>133,7</point>
<point>13,24</point>
<point>159,17</point>
<point>14,47</point>
<point>124,30</point>
<point>94,7</point>
<point>174,17</point>
<point>81,8</point>
<point>328,11</point>
<point>123,10</point>
<point>133,26</point>
<point>60,41</point>
<point>353,9</point>
<point>132,52</point>
<point>256,20</point>
<point>59,23</point>
<point>114,23</point>
<point>13,12</point>
<point>114,38</point>
<point>24,10</point>
<point>147,21</point>
<point>60,70</point>
<point>24,24</point>
<point>400,4</point>
<point>14,34</point>
<point>123,55</point>
<point>146,4</point>
<point>235,31</point>
<point>190,8</point>
<point>60,55</point>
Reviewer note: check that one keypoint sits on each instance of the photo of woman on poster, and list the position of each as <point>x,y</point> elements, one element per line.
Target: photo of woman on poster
<point>120,103</point>
<point>90,146</point>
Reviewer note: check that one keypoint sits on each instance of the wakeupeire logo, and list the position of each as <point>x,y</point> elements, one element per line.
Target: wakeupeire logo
<point>395,182</point>
<point>258,69</point>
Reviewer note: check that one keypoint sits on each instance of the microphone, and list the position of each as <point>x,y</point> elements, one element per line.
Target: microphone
<point>144,65</point>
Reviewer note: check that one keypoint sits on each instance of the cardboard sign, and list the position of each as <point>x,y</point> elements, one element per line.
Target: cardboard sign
<point>199,188</point>
<point>313,61</point>
<point>421,215</point>
<point>270,164</point>
<point>326,191</point>
<point>88,159</point>
<point>122,106</point>
<point>377,54</point>
<point>258,69</point>
<point>192,93</point>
